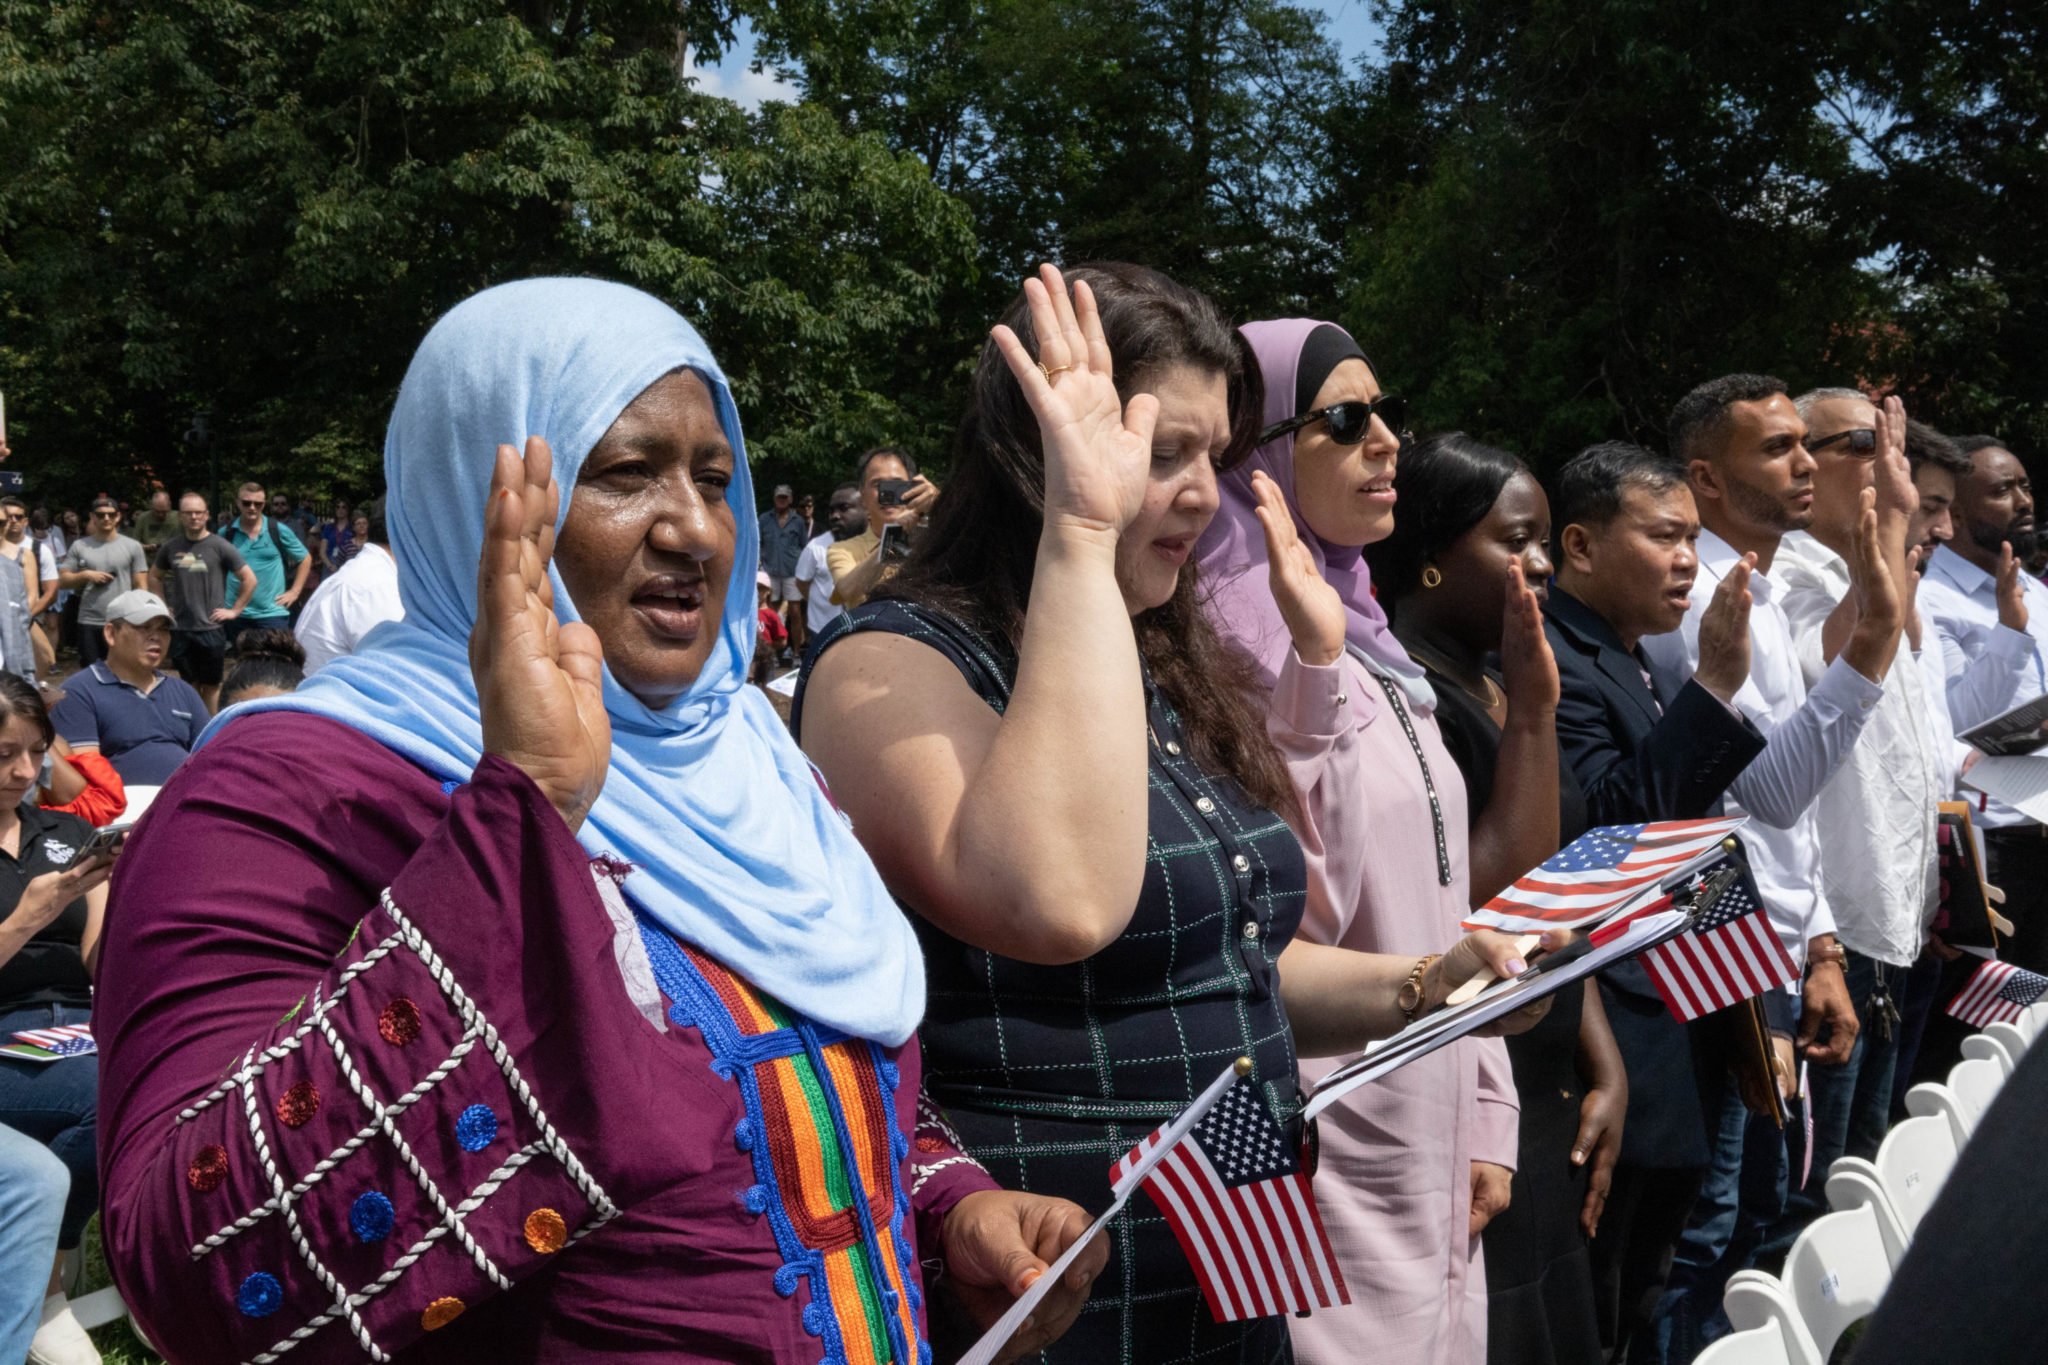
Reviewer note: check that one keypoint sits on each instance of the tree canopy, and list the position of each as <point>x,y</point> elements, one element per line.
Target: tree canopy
<point>1543,222</point>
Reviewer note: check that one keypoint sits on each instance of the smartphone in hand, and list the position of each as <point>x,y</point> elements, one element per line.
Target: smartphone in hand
<point>106,839</point>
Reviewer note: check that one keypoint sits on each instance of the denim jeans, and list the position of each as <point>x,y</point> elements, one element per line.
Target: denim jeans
<point>57,1104</point>
<point>32,1187</point>
<point>1851,1103</point>
<point>1742,1196</point>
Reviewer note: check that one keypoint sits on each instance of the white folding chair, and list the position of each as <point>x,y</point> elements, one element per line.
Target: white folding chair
<point>1983,1046</point>
<point>1976,1084</point>
<point>1757,1302</point>
<point>1758,1346</point>
<point>2012,1037</point>
<point>1837,1271</point>
<point>1853,1183</point>
<point>1912,1165</point>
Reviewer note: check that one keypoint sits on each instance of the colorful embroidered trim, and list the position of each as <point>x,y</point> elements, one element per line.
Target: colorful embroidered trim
<point>827,1154</point>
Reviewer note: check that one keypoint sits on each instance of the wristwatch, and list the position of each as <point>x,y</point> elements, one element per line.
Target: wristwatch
<point>1409,997</point>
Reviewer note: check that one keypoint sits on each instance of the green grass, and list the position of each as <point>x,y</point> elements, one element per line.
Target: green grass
<point>117,1340</point>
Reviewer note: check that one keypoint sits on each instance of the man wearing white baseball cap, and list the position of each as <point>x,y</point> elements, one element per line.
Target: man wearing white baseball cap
<point>143,720</point>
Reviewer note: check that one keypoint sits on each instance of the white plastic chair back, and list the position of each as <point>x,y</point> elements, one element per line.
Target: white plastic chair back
<point>1913,1164</point>
<point>1854,1184</point>
<point>1837,1270</point>
<point>1755,1301</point>
<point>2012,1038</point>
<point>1979,1045</point>
<point>1975,1083</point>
<point>1935,1099</point>
<point>1758,1346</point>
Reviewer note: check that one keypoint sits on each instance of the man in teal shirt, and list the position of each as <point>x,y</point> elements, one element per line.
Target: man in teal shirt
<point>279,559</point>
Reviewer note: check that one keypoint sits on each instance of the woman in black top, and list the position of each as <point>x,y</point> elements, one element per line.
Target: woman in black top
<point>1079,800</point>
<point>51,907</point>
<point>1474,518</point>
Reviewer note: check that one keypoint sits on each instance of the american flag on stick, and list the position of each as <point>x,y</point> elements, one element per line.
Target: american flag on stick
<point>1998,992</point>
<point>1236,1196</point>
<point>1729,954</point>
<point>1600,873</point>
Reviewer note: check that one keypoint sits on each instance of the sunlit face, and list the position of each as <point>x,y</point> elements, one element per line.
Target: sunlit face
<point>1839,478</point>
<point>21,759</point>
<point>1346,493</point>
<point>132,646</point>
<point>192,514</point>
<point>1932,524</point>
<point>1995,503</point>
<point>880,470</point>
<point>1762,474</point>
<point>1475,565</point>
<point>1180,495</point>
<point>1637,570</point>
<point>646,550</point>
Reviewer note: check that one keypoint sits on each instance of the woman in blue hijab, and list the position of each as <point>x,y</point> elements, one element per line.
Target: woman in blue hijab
<point>513,990</point>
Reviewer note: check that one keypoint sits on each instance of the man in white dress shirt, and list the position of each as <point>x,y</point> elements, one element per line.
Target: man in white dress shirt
<point>1991,618</point>
<point>351,602</point>
<point>1743,444</point>
<point>1876,815</point>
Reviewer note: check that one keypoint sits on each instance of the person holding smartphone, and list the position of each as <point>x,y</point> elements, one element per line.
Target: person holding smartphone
<point>53,900</point>
<point>892,493</point>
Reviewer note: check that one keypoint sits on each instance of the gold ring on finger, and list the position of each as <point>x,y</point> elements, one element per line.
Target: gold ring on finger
<point>1057,369</point>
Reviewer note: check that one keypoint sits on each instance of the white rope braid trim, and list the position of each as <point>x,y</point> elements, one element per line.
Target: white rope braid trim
<point>339,1154</point>
<point>285,1047</point>
<point>472,1017</point>
<point>405,1154</point>
<point>298,1233</point>
<point>925,1173</point>
<point>418,1249</point>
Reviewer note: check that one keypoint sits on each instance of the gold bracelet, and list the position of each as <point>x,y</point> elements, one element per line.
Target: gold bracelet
<point>1409,997</point>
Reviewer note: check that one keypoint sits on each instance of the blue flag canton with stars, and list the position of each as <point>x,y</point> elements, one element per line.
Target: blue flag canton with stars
<point>1737,899</point>
<point>1596,849</point>
<point>1241,1139</point>
<point>2023,987</point>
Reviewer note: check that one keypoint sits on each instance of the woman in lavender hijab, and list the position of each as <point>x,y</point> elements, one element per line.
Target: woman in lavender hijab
<point>1414,1165</point>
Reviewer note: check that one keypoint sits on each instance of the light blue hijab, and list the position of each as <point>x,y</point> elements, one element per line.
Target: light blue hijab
<point>734,846</point>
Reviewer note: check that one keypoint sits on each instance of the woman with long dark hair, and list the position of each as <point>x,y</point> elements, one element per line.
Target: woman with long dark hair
<point>1472,518</point>
<point>1064,774</point>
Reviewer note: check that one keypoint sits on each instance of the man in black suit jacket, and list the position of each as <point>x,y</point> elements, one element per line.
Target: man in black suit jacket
<point>1625,567</point>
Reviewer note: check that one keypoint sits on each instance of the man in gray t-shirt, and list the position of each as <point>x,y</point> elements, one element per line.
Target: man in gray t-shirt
<point>100,567</point>
<point>191,574</point>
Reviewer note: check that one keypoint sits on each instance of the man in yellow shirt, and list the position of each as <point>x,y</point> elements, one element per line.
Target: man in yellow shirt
<point>856,563</point>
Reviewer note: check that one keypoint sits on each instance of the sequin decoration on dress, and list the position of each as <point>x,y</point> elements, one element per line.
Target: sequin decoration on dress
<point>826,1151</point>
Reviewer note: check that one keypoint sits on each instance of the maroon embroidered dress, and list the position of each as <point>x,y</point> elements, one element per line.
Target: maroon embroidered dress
<point>483,1114</point>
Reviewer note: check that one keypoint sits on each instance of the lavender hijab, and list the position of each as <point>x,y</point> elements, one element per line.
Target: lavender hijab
<point>1232,552</point>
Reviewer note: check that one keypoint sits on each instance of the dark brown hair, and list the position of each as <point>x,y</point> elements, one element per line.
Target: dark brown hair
<point>975,561</point>
<point>18,697</point>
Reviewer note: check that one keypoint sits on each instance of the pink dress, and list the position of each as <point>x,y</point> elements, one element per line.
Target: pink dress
<point>1395,1179</point>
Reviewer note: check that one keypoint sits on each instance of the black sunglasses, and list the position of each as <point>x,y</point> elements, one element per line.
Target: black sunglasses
<point>1349,421</point>
<point>1862,442</point>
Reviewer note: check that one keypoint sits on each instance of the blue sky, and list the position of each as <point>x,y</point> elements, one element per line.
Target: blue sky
<point>1350,25</point>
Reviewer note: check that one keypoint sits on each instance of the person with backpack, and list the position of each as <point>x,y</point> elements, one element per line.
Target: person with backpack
<point>278,556</point>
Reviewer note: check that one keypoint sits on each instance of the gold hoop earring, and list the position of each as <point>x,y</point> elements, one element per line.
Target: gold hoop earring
<point>1431,576</point>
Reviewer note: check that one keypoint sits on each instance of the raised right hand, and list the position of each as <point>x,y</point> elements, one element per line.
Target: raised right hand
<point>1527,666</point>
<point>539,683</point>
<point>1724,634</point>
<point>1098,452</point>
<point>2012,593</point>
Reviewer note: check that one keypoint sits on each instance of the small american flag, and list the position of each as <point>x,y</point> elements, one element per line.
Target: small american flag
<point>1998,992</point>
<point>1236,1197</point>
<point>1599,873</point>
<point>1728,955</point>
<point>66,1040</point>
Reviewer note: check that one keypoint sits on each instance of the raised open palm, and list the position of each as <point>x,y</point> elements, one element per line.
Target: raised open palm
<point>1098,451</point>
<point>1312,609</point>
<point>539,683</point>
